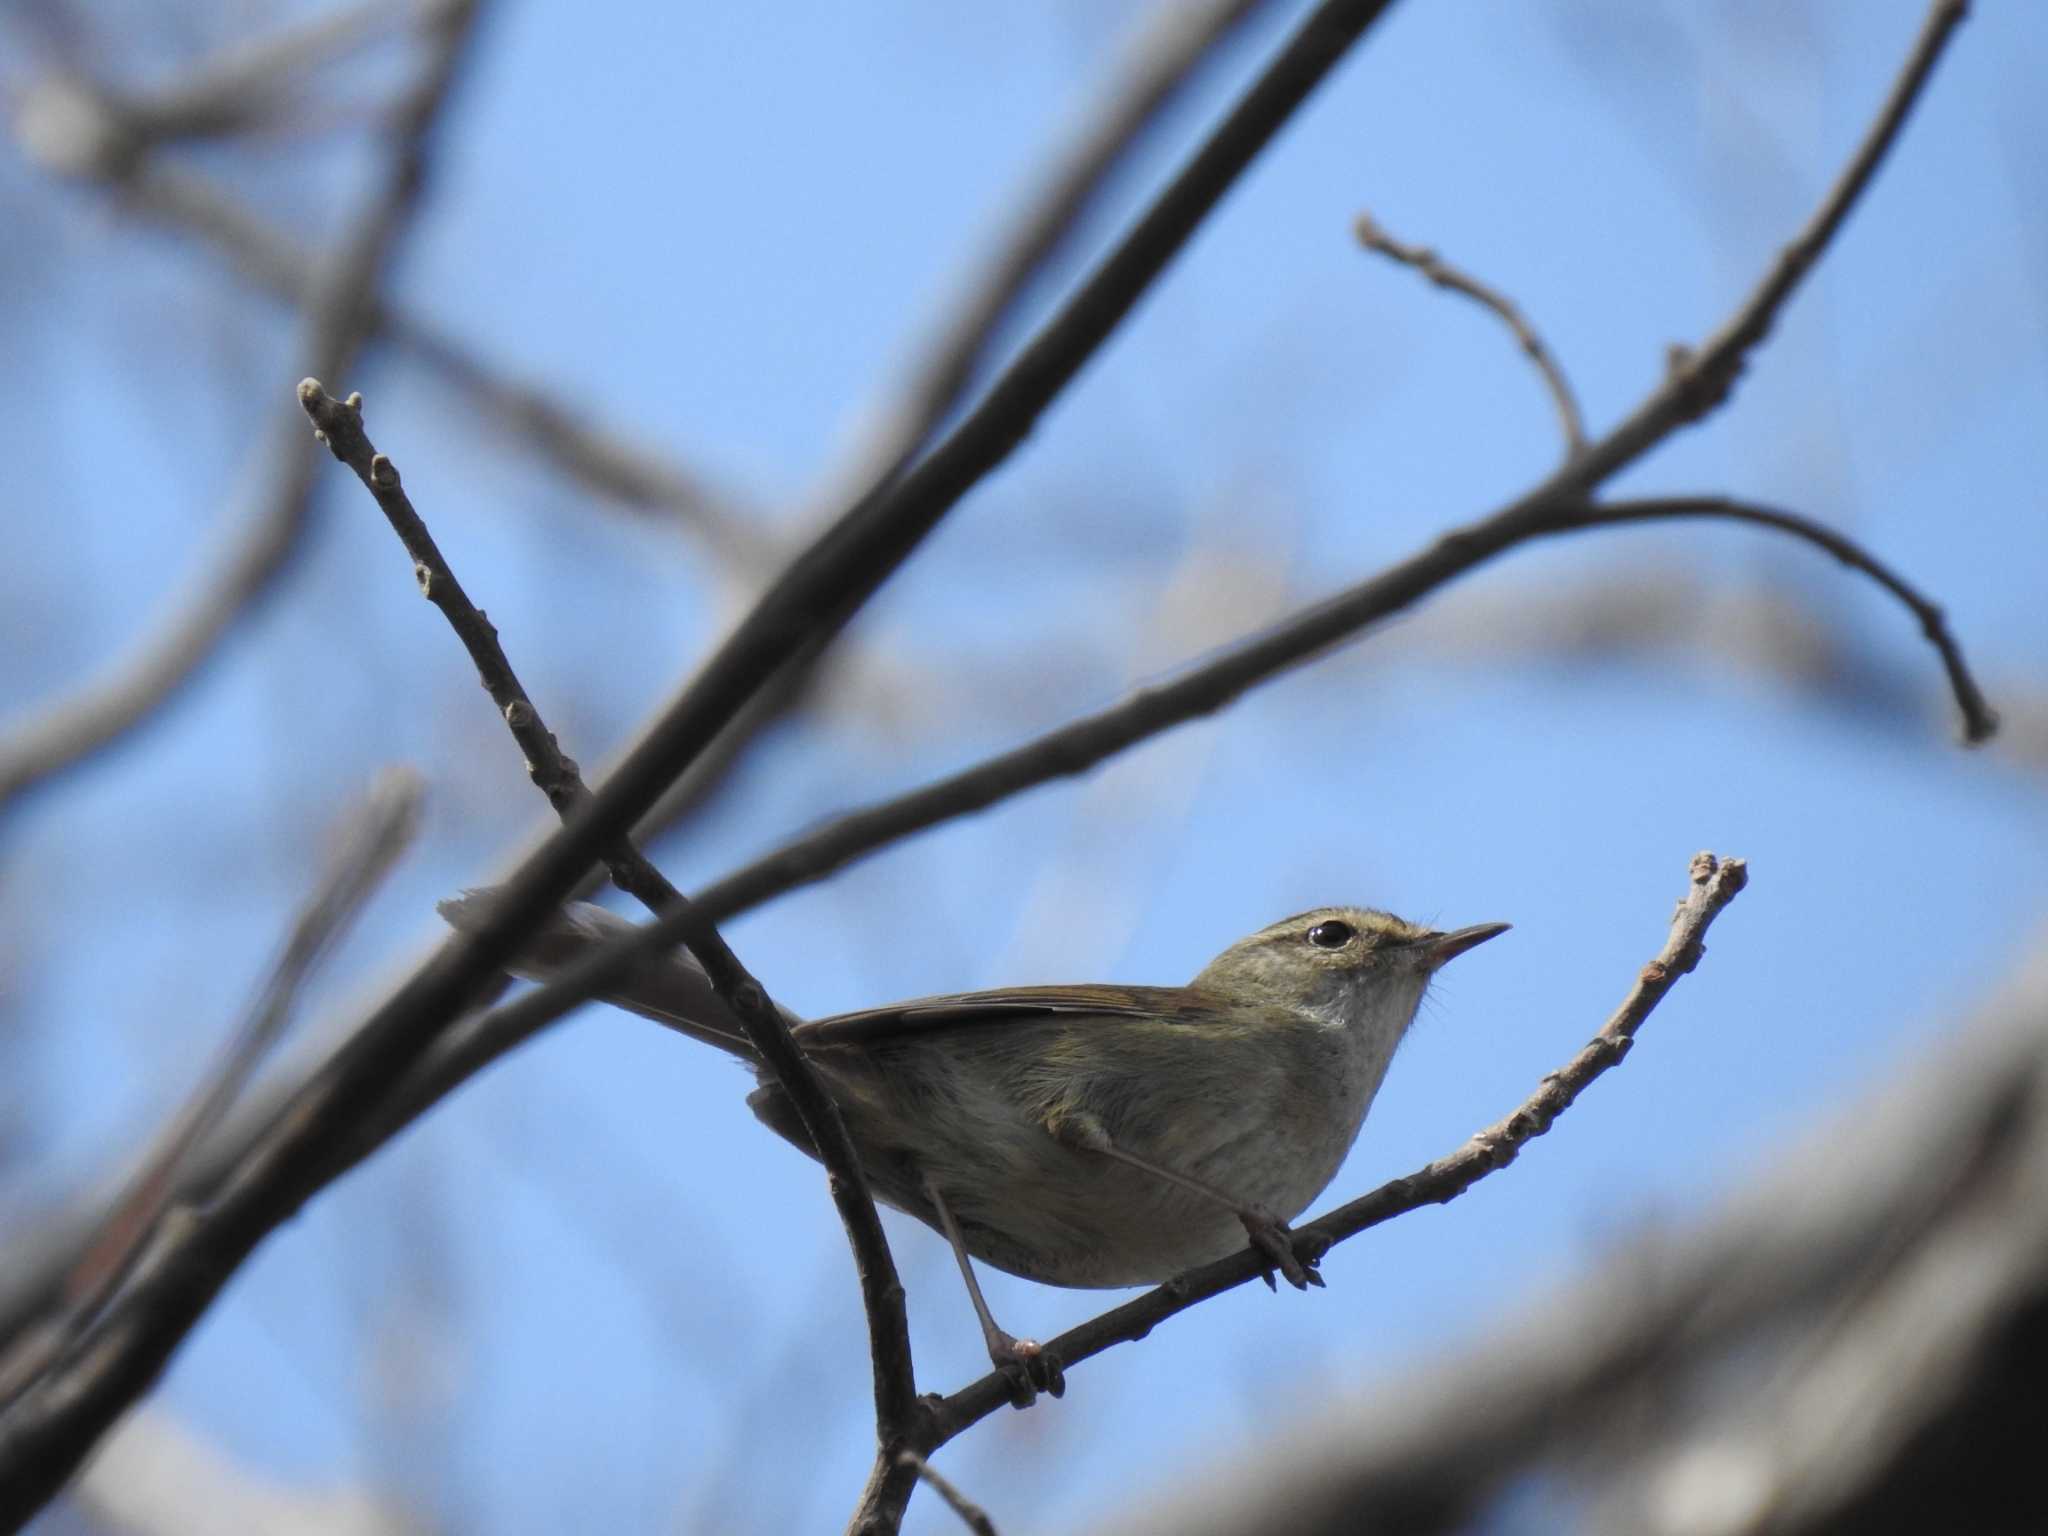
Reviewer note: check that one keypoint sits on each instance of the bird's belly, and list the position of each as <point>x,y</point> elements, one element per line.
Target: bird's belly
<point>1095,1223</point>
<point>1103,1246</point>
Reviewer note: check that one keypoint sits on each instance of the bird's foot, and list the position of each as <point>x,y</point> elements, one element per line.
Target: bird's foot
<point>1028,1366</point>
<point>1290,1253</point>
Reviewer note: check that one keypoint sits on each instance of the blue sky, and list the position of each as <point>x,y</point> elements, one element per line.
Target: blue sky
<point>590,1284</point>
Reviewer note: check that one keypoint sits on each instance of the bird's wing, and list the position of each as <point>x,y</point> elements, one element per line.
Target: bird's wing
<point>1009,1005</point>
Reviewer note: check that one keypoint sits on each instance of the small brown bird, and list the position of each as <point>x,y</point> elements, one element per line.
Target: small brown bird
<point>1092,1135</point>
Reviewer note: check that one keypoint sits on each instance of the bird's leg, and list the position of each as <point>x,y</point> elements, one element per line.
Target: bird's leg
<point>1293,1256</point>
<point>1028,1365</point>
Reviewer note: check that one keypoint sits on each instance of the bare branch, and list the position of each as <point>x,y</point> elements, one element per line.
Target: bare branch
<point>340,426</point>
<point>1654,612</point>
<point>1714,883</point>
<point>256,81</point>
<point>1444,275</point>
<point>1980,720</point>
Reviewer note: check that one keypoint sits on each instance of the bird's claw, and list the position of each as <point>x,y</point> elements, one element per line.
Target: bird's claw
<point>1028,1366</point>
<point>1287,1252</point>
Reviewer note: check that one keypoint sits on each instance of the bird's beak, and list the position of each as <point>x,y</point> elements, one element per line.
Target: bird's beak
<point>1441,947</point>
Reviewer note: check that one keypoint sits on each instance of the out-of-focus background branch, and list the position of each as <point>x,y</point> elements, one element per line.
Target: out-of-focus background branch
<point>685,265</point>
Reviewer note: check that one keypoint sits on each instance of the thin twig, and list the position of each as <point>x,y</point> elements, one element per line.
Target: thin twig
<point>1699,381</point>
<point>64,734</point>
<point>971,1514</point>
<point>376,833</point>
<point>1444,275</point>
<point>1980,720</point>
<point>1713,372</point>
<point>1714,883</point>
<point>340,425</point>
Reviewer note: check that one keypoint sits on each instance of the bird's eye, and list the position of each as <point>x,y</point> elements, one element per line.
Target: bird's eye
<point>1331,935</point>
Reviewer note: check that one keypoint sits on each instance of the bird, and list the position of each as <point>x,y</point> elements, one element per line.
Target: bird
<point>1089,1136</point>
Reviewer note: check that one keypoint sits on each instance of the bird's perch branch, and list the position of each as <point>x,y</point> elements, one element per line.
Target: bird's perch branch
<point>1714,883</point>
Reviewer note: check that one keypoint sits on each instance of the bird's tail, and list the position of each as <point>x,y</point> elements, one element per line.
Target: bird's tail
<point>669,987</point>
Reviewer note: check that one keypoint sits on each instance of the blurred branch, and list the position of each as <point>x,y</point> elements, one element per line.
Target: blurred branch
<point>66,733</point>
<point>971,1514</point>
<point>375,835</point>
<point>260,81</point>
<point>1444,275</point>
<point>1714,884</point>
<point>81,131</point>
<point>340,425</point>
